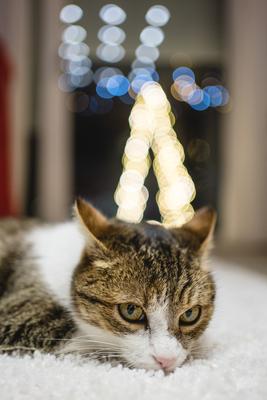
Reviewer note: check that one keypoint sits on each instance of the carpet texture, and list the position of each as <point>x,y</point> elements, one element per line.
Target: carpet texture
<point>234,368</point>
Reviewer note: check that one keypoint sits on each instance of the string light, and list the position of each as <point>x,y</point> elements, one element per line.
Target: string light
<point>151,124</point>
<point>75,63</point>
<point>185,89</point>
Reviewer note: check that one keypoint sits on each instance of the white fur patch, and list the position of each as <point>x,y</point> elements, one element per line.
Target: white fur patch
<point>139,349</point>
<point>58,250</point>
<point>144,347</point>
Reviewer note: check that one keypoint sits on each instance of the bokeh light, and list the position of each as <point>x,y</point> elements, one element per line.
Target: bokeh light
<point>112,14</point>
<point>151,123</point>
<point>78,67</point>
<point>152,36</point>
<point>183,71</point>
<point>109,53</point>
<point>112,35</point>
<point>106,72</point>
<point>185,89</point>
<point>82,80</point>
<point>198,150</point>
<point>157,15</point>
<point>118,85</point>
<point>70,14</point>
<point>75,52</point>
<point>64,83</point>
<point>102,90</point>
<point>140,64</point>
<point>139,81</point>
<point>147,54</point>
<point>199,100</point>
<point>74,34</point>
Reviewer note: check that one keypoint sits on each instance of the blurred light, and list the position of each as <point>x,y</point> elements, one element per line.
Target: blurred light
<point>157,15</point>
<point>112,14</point>
<point>200,100</point>
<point>210,81</point>
<point>79,67</point>
<point>152,36</point>
<point>178,194</point>
<point>131,180</point>
<point>110,53</point>
<point>151,125</point>
<point>118,85</point>
<point>82,80</point>
<point>225,95</point>
<point>198,150</point>
<point>140,64</point>
<point>111,35</point>
<point>147,54</point>
<point>106,72</point>
<point>77,102</point>
<point>74,34</point>
<point>174,92</point>
<point>144,71</point>
<point>101,89</point>
<point>100,106</point>
<point>215,94</point>
<point>181,71</point>
<point>154,97</point>
<point>136,149</point>
<point>127,99</point>
<point>196,97</point>
<point>185,86</point>
<point>75,52</point>
<point>70,14</point>
<point>139,81</point>
<point>64,83</point>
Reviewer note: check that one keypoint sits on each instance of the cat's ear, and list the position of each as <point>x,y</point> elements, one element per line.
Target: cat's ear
<point>91,220</point>
<point>202,226</point>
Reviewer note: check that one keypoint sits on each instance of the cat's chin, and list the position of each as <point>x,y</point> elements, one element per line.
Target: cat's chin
<point>132,351</point>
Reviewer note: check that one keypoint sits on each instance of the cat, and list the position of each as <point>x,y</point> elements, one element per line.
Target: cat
<point>138,294</point>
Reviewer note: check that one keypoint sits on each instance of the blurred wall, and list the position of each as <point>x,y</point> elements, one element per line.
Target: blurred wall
<point>15,23</point>
<point>54,123</point>
<point>244,188</point>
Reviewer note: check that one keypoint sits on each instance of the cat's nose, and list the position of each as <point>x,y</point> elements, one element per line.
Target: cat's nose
<point>165,362</point>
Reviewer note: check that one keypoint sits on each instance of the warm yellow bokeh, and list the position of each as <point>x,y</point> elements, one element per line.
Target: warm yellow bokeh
<point>151,122</point>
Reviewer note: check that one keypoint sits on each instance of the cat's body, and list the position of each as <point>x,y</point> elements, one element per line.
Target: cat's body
<point>121,291</point>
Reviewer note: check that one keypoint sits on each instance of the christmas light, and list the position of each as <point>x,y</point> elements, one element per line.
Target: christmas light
<point>151,124</point>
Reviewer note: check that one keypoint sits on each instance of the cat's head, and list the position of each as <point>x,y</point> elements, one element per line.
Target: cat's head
<point>142,292</point>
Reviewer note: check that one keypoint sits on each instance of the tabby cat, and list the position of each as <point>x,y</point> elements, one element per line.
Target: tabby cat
<point>139,294</point>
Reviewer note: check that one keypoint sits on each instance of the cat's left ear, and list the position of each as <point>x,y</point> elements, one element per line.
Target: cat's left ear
<point>202,226</point>
<point>93,222</point>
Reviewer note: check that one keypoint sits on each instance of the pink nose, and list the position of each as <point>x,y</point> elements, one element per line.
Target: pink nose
<point>165,362</point>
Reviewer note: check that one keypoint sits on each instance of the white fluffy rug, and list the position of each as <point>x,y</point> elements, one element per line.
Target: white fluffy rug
<point>235,368</point>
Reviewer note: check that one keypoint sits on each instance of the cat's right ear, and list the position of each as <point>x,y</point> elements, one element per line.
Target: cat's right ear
<point>92,221</point>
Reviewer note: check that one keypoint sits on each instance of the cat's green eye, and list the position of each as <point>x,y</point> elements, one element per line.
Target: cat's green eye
<point>190,316</point>
<point>132,313</point>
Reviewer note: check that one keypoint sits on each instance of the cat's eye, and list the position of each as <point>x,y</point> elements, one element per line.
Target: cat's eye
<point>190,316</point>
<point>132,313</point>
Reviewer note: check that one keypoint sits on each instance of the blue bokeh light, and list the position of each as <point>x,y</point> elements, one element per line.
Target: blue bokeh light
<point>118,85</point>
<point>203,103</point>
<point>215,94</point>
<point>139,81</point>
<point>183,71</point>
<point>101,89</point>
